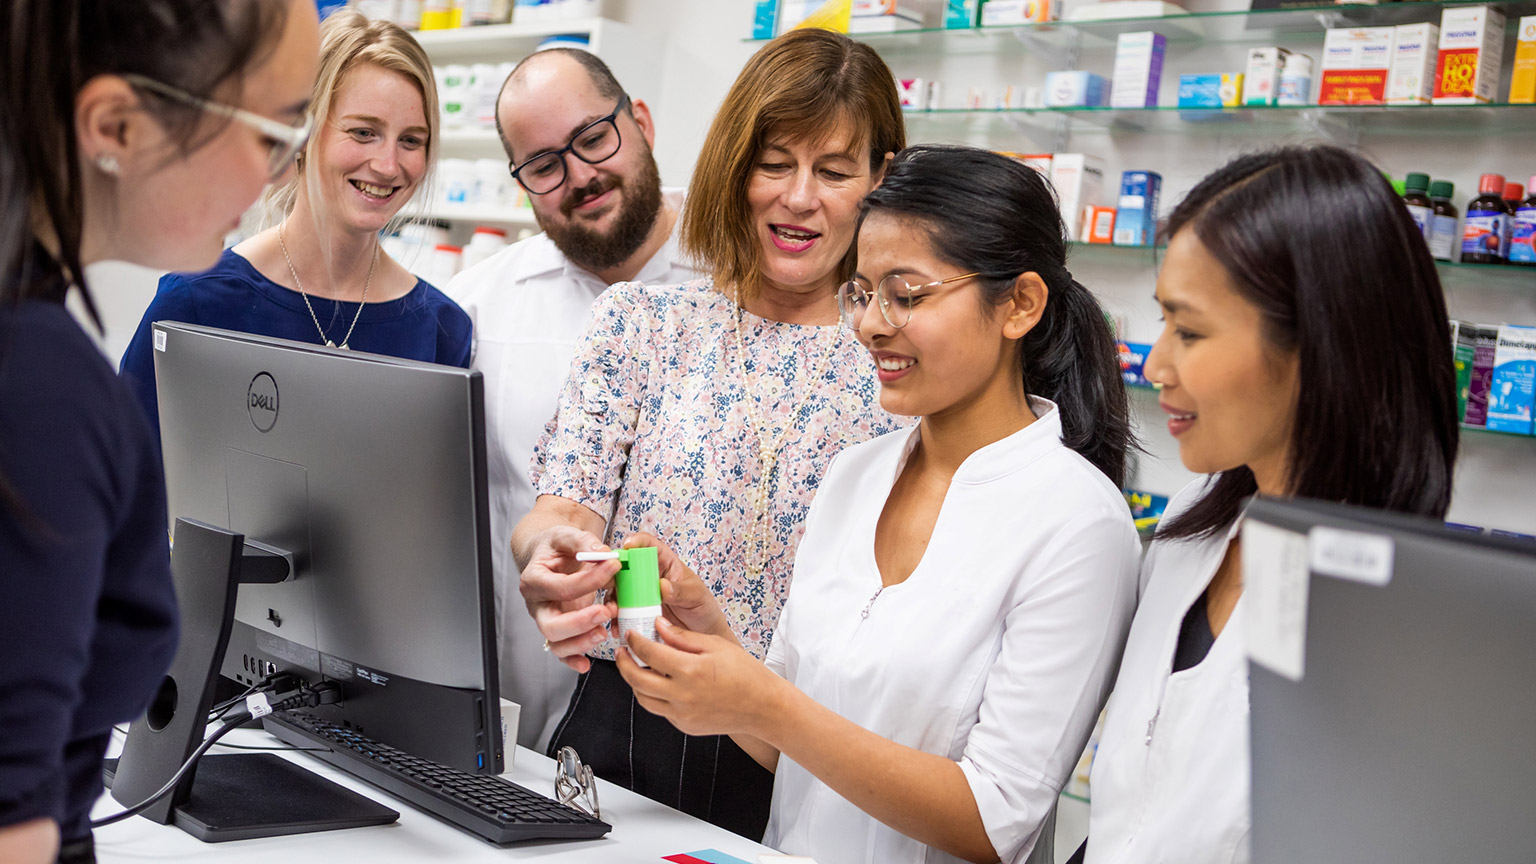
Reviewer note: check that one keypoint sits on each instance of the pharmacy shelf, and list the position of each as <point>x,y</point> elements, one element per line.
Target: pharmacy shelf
<point>1478,431</point>
<point>1453,274</point>
<point>471,213</point>
<point>511,41</point>
<point>1330,121</point>
<point>1258,26</point>
<point>475,137</point>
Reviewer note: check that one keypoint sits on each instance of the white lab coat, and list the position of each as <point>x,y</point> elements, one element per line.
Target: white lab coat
<point>1170,781</point>
<point>529,305</point>
<point>997,652</point>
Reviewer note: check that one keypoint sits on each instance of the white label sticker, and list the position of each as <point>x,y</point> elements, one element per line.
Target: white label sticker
<point>159,340</point>
<point>258,704</point>
<point>1275,582</point>
<point>1351,555</point>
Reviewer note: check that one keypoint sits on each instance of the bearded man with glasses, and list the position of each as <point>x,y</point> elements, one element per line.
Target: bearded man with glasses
<point>581,148</point>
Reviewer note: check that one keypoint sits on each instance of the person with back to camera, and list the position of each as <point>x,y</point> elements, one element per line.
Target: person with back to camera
<point>964,588</point>
<point>1292,281</point>
<point>98,163</point>
<point>708,411</point>
<point>321,276</point>
<point>605,219</point>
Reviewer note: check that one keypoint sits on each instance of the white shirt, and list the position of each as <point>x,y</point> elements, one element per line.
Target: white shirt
<point>997,652</point>
<point>529,306</point>
<point>1170,781</point>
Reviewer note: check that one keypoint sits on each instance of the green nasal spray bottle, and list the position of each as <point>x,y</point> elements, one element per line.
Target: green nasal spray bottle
<point>638,590</point>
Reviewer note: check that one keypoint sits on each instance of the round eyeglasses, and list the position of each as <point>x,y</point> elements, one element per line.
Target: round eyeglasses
<point>284,143</point>
<point>593,143</point>
<point>895,295</point>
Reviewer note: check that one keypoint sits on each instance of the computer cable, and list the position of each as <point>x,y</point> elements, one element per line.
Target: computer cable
<point>257,705</point>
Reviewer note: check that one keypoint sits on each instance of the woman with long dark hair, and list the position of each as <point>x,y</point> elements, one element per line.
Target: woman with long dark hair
<point>1305,353</point>
<point>134,130</point>
<point>964,587</point>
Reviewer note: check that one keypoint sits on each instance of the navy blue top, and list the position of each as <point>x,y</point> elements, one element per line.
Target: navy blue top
<point>87,608</point>
<point>422,325</point>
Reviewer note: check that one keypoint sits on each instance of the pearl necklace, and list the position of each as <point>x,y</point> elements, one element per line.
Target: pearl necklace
<point>295,274</point>
<point>768,449</point>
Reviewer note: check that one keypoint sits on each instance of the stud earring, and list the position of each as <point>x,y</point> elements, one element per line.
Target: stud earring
<point>108,164</point>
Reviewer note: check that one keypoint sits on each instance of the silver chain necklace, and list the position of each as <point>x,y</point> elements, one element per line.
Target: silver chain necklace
<point>295,274</point>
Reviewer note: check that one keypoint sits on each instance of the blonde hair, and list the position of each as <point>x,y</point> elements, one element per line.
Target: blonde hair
<point>801,85</point>
<point>348,39</point>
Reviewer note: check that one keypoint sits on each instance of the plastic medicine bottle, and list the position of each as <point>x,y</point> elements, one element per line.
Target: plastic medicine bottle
<point>1416,197</point>
<point>1444,239</point>
<point>1295,86</point>
<point>1522,240</point>
<point>1482,233</point>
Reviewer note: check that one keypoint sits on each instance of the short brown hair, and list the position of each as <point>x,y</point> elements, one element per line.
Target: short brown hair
<point>802,85</point>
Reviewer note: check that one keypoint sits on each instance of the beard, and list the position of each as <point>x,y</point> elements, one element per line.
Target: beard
<point>639,206</point>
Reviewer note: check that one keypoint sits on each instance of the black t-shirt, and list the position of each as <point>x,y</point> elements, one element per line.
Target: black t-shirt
<point>87,609</point>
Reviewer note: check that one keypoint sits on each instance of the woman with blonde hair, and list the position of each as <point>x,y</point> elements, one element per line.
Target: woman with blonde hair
<point>320,275</point>
<point>707,412</point>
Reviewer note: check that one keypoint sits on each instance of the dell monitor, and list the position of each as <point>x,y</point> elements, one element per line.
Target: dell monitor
<point>367,474</point>
<point>1393,697</point>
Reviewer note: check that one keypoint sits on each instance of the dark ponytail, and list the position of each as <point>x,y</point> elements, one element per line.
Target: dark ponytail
<point>992,214</point>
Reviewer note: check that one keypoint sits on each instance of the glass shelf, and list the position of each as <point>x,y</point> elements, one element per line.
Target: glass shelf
<point>1145,388</point>
<point>1452,273</point>
<point>1239,25</point>
<point>1397,120</point>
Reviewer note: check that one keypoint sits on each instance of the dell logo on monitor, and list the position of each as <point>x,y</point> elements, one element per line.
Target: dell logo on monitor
<point>261,401</point>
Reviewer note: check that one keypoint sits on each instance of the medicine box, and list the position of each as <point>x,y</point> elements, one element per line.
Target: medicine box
<point>1133,360</point>
<point>959,14</point>
<point>1076,89</point>
<point>1098,225</point>
<point>1079,180</point>
<point>1471,51</point>
<point>1200,91</point>
<point>1522,82</point>
<point>999,12</point>
<point>1412,81</point>
<point>1231,89</point>
<point>913,93</point>
<point>886,16</point>
<point>1138,69</point>
<point>1513,387</point>
<point>1356,64</point>
<point>1136,213</point>
<point>764,13</point>
<point>1261,80</point>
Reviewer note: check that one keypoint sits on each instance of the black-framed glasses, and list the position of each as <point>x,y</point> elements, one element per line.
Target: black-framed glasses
<point>284,142</point>
<point>596,142</point>
<point>574,784</point>
<point>895,295</point>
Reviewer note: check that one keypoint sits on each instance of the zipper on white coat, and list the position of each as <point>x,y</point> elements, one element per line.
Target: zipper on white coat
<point>1152,724</point>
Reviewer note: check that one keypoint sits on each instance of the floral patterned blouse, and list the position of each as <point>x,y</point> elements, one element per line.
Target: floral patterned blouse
<point>653,428</point>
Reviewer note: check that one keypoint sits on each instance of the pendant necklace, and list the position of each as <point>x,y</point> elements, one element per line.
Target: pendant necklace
<point>295,274</point>
<point>768,449</point>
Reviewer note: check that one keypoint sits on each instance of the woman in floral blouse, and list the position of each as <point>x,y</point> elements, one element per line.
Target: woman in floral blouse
<point>706,413</point>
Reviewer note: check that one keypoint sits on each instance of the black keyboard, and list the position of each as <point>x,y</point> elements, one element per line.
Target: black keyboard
<point>495,809</point>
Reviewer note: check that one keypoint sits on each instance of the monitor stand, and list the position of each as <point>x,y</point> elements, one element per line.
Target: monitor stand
<point>234,796</point>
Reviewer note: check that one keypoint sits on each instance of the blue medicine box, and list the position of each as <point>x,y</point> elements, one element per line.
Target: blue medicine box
<point>1200,91</point>
<point>1136,212</point>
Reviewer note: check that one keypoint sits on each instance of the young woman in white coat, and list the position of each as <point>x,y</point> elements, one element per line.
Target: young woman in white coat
<point>963,589</point>
<point>1306,352</point>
